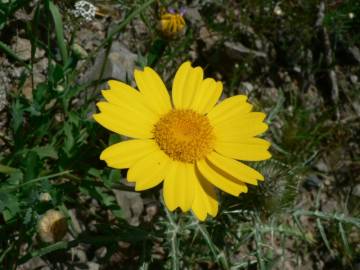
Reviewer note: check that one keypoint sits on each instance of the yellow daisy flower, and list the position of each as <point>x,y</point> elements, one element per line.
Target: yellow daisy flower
<point>190,143</point>
<point>172,24</point>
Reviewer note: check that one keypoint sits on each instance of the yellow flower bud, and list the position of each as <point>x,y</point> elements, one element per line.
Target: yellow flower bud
<point>172,24</point>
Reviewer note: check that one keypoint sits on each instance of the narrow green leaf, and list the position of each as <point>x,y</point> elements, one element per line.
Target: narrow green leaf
<point>219,256</point>
<point>7,50</point>
<point>33,181</point>
<point>258,242</point>
<point>323,235</point>
<point>6,169</point>
<point>59,31</point>
<point>344,238</point>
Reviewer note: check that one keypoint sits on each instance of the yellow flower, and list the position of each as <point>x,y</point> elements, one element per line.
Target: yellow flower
<point>172,24</point>
<point>190,142</point>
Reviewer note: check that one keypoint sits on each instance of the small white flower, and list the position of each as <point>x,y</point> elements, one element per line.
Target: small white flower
<point>351,15</point>
<point>85,10</point>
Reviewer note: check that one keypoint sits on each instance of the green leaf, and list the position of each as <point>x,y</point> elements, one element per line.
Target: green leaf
<point>94,172</point>
<point>69,139</point>
<point>323,235</point>
<point>9,205</point>
<point>46,151</point>
<point>28,216</point>
<point>114,178</point>
<point>59,30</point>
<point>344,239</point>
<point>17,111</point>
<point>156,51</point>
<point>15,178</point>
<point>6,169</point>
<point>40,94</point>
<point>114,138</point>
<point>32,165</point>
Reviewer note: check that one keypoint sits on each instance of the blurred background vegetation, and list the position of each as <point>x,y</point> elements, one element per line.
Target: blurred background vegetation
<point>298,61</point>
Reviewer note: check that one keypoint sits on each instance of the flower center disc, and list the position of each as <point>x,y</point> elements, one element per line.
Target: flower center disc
<point>184,135</point>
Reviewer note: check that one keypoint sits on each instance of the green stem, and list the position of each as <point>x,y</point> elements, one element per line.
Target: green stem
<point>33,181</point>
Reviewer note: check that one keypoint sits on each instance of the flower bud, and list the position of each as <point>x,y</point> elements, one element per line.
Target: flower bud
<point>172,24</point>
<point>79,51</point>
<point>52,226</point>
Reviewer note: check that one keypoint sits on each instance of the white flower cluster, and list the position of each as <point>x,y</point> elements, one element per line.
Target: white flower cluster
<point>85,10</point>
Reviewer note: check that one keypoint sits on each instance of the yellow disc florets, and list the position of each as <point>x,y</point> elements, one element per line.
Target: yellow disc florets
<point>184,135</point>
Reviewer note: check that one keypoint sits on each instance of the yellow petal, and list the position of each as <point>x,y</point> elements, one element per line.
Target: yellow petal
<point>124,121</point>
<point>253,149</point>
<point>235,168</point>
<point>229,108</point>
<point>154,90</point>
<point>186,82</point>
<point>178,186</point>
<point>206,96</point>
<point>205,201</point>
<point>240,127</point>
<point>124,154</point>
<point>164,24</point>
<point>124,95</point>
<point>219,180</point>
<point>149,171</point>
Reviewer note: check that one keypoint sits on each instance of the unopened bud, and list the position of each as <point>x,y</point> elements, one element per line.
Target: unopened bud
<point>52,226</point>
<point>79,51</point>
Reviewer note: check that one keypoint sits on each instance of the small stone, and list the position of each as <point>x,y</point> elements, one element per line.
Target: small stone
<point>355,53</point>
<point>151,211</point>
<point>258,44</point>
<point>131,205</point>
<point>93,266</point>
<point>278,11</point>
<point>321,166</point>
<point>208,37</point>
<point>247,87</point>
<point>3,100</point>
<point>356,190</point>
<point>194,16</point>
<point>354,79</point>
<point>312,181</point>
<point>120,65</point>
<point>22,47</point>
<point>297,69</point>
<point>238,50</point>
<point>101,252</point>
